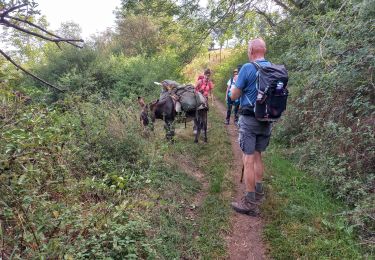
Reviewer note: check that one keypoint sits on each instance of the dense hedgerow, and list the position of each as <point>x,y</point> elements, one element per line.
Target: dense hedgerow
<point>330,119</point>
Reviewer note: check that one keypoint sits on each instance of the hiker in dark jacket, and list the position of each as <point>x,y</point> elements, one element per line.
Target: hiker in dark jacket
<point>254,135</point>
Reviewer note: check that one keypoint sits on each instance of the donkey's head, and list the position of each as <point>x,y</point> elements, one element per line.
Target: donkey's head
<point>144,117</point>
<point>147,112</point>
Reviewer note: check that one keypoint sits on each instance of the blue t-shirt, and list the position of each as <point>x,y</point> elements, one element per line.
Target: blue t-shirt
<point>246,82</point>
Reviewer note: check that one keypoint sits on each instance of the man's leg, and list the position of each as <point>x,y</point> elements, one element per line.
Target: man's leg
<point>236,108</point>
<point>247,140</point>
<point>258,166</point>
<point>262,142</point>
<point>229,111</point>
<point>259,169</point>
<point>248,204</point>
<point>260,146</point>
<point>249,172</point>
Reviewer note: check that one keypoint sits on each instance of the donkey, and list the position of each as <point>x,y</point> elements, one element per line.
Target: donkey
<point>165,110</point>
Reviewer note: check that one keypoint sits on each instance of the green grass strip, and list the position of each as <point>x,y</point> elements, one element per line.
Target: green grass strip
<point>302,219</point>
<point>214,159</point>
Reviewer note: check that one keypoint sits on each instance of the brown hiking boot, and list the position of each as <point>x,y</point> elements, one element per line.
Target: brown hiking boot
<point>246,206</point>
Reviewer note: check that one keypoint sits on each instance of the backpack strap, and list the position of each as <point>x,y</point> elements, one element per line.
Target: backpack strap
<point>257,67</point>
<point>256,64</point>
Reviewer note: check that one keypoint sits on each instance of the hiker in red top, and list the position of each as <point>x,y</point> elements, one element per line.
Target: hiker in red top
<point>205,85</point>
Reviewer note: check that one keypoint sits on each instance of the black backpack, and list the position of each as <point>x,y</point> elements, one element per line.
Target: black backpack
<point>271,83</point>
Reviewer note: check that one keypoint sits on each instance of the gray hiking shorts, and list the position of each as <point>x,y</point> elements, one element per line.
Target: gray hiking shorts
<point>253,134</point>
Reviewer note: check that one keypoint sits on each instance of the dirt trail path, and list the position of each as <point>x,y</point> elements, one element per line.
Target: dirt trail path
<point>189,167</point>
<point>245,239</point>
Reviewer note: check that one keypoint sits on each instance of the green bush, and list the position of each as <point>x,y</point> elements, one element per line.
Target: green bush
<point>66,172</point>
<point>134,76</point>
<point>86,72</point>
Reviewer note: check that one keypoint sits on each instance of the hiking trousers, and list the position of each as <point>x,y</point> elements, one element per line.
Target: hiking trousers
<point>236,106</point>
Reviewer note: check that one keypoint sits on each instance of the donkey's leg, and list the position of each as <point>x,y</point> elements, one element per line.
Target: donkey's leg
<point>197,130</point>
<point>167,128</point>
<point>199,127</point>
<point>171,129</point>
<point>166,131</point>
<point>195,126</point>
<point>170,132</point>
<point>204,122</point>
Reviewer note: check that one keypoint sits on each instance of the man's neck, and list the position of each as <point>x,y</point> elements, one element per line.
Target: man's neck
<point>258,58</point>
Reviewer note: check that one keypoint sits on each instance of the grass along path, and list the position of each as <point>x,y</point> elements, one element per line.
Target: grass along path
<point>302,219</point>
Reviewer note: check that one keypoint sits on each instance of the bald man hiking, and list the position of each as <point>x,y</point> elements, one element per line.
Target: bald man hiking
<point>254,135</point>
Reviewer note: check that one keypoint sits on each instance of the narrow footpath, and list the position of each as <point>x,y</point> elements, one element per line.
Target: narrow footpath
<point>245,239</point>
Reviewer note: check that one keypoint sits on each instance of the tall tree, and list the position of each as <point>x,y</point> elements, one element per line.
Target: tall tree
<point>220,20</point>
<point>138,35</point>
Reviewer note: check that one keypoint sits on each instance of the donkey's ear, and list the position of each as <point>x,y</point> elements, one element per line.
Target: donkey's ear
<point>141,102</point>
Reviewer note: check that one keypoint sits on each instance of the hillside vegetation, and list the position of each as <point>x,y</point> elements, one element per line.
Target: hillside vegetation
<point>80,178</point>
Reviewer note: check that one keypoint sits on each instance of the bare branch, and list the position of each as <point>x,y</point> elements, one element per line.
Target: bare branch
<point>58,45</point>
<point>327,30</point>
<point>7,23</point>
<point>266,16</point>
<point>42,29</point>
<point>2,15</point>
<point>29,73</point>
<point>279,3</point>
<point>296,3</point>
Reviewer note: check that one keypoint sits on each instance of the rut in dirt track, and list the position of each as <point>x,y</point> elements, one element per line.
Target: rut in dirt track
<point>245,239</point>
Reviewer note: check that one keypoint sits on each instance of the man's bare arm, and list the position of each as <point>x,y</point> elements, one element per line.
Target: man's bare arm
<point>235,93</point>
